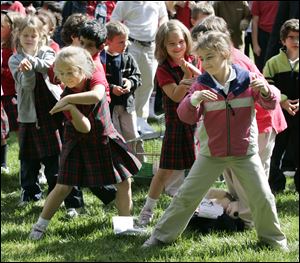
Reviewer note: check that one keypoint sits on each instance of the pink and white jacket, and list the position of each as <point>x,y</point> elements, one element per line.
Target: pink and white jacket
<point>228,126</point>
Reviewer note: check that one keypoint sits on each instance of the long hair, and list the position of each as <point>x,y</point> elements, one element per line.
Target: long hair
<point>33,23</point>
<point>173,25</point>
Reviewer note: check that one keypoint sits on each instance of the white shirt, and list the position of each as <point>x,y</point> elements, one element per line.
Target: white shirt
<point>231,77</point>
<point>141,17</point>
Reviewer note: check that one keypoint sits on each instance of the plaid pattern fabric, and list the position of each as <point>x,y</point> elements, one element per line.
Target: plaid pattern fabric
<point>4,124</point>
<point>37,143</point>
<point>11,109</point>
<point>178,147</point>
<point>99,157</point>
<point>41,139</point>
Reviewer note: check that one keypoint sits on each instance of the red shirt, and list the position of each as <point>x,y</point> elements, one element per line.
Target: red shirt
<point>7,81</point>
<point>266,11</point>
<point>54,46</point>
<point>183,14</point>
<point>100,75</point>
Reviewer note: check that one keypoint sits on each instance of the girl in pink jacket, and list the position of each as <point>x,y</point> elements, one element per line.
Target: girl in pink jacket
<point>224,98</point>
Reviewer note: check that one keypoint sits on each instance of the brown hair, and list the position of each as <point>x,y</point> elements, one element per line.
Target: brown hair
<point>173,25</point>
<point>216,41</point>
<point>291,25</point>
<point>116,28</point>
<point>71,28</point>
<point>14,19</point>
<point>210,23</point>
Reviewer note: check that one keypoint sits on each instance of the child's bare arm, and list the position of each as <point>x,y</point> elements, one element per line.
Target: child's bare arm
<point>79,121</point>
<point>86,98</point>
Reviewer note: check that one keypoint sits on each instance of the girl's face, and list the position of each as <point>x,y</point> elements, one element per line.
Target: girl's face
<point>70,76</point>
<point>5,29</point>
<point>176,45</point>
<point>212,62</point>
<point>118,44</point>
<point>29,40</point>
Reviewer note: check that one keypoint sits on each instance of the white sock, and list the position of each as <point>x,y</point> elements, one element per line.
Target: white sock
<point>43,222</point>
<point>150,203</point>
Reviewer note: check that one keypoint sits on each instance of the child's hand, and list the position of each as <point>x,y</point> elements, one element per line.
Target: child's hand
<point>58,106</point>
<point>204,95</point>
<point>67,107</point>
<point>126,85</point>
<point>184,65</point>
<point>259,86</point>
<point>25,65</point>
<point>291,106</point>
<point>117,90</point>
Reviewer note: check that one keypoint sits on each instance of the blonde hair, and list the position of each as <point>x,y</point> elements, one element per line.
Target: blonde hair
<point>14,20</point>
<point>75,57</point>
<point>216,41</point>
<point>173,25</point>
<point>33,23</point>
<point>116,28</point>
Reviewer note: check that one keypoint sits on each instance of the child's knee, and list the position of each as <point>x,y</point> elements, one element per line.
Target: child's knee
<point>124,185</point>
<point>63,189</point>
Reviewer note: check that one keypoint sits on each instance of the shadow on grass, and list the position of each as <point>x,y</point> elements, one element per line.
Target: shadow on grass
<point>9,183</point>
<point>288,206</point>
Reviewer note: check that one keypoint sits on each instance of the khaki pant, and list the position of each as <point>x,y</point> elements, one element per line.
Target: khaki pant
<point>250,173</point>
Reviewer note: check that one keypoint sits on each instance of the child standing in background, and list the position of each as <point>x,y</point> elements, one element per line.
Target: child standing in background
<point>282,71</point>
<point>71,29</point>
<point>93,153</point>
<point>49,21</point>
<point>92,37</point>
<point>124,77</point>
<point>224,98</point>
<point>4,136</point>
<point>9,21</point>
<point>39,140</point>
<point>200,11</point>
<point>173,46</point>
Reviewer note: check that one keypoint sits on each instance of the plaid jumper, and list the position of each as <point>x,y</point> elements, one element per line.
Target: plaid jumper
<point>99,157</point>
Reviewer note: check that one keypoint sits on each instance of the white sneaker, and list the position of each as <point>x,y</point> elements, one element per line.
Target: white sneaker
<point>145,217</point>
<point>72,212</point>
<point>143,127</point>
<point>151,242</point>
<point>42,178</point>
<point>37,232</point>
<point>4,170</point>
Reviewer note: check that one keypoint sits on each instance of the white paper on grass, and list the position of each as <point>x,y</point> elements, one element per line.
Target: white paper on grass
<point>209,209</point>
<point>122,223</point>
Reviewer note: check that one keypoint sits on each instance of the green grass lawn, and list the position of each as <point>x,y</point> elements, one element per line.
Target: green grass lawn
<point>90,236</point>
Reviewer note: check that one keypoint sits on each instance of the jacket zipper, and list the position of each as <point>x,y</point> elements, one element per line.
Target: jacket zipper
<point>229,110</point>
